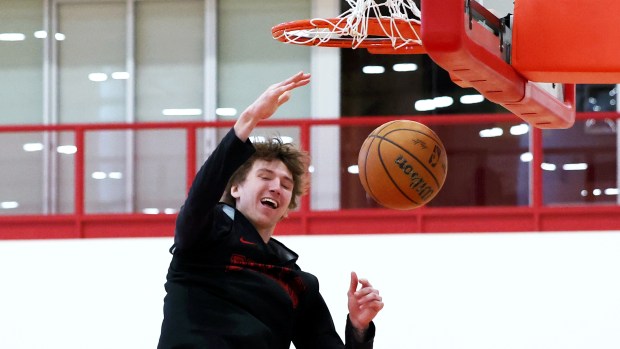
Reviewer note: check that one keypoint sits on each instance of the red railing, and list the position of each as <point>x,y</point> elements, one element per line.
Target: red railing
<point>533,218</point>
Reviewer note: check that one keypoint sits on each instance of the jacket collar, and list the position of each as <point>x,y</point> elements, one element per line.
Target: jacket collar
<point>284,254</point>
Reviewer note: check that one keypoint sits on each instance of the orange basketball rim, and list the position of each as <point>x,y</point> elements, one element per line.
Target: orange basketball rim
<point>384,35</point>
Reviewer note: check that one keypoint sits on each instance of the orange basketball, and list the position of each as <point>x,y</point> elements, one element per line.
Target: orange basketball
<point>402,164</point>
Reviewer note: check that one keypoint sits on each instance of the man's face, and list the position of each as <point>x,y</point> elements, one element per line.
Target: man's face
<point>264,196</point>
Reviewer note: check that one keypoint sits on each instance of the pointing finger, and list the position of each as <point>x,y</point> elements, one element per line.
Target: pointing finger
<point>354,282</point>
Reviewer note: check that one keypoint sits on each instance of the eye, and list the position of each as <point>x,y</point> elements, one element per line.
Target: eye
<point>288,186</point>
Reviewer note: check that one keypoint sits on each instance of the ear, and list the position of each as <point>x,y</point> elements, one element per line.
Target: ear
<point>234,191</point>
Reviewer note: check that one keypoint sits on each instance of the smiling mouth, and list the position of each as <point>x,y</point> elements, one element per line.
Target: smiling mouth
<point>269,203</point>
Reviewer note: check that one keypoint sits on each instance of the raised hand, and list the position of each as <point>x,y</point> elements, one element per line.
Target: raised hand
<point>267,104</point>
<point>364,304</point>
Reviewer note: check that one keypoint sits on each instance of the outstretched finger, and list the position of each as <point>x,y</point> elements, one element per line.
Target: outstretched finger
<point>354,282</point>
<point>288,83</point>
<point>290,86</point>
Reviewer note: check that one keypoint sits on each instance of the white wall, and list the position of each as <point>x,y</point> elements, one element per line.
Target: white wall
<point>550,290</point>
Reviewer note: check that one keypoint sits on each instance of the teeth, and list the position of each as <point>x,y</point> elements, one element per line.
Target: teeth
<point>269,202</point>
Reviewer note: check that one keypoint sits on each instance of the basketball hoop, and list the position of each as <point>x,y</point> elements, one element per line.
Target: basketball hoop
<point>362,26</point>
<point>461,36</point>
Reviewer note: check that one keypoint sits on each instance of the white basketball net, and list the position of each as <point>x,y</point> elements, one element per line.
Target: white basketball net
<point>354,23</point>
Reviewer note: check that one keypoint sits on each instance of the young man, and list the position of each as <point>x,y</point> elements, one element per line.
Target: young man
<point>230,284</point>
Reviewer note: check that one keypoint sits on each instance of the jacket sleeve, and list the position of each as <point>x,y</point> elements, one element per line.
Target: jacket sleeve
<point>316,330</point>
<point>352,343</point>
<point>207,188</point>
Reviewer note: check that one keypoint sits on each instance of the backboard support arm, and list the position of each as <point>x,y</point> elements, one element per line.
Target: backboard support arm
<point>473,45</point>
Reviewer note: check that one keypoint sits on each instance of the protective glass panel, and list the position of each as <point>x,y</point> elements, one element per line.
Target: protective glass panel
<point>64,159</point>
<point>106,174</point>
<point>161,167</point>
<point>21,176</point>
<point>249,59</point>
<point>169,60</point>
<point>580,164</point>
<point>91,62</point>
<point>21,49</point>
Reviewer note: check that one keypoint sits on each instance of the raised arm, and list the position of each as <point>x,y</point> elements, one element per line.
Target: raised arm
<point>267,104</point>
<point>210,181</point>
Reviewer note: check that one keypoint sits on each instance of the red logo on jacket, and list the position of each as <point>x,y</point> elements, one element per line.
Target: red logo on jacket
<point>285,277</point>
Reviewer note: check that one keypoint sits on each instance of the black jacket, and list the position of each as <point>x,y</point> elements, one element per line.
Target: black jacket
<point>226,288</point>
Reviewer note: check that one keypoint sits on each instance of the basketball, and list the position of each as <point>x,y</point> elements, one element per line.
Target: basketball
<point>402,164</point>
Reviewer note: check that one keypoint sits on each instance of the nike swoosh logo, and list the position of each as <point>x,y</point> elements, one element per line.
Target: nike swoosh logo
<point>244,241</point>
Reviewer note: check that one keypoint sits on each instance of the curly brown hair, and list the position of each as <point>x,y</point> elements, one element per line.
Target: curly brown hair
<point>295,160</point>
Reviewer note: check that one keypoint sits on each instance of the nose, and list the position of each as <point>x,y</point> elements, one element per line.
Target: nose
<point>274,186</point>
